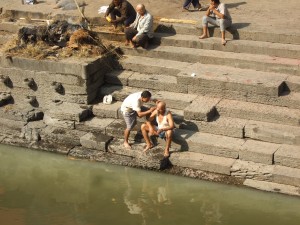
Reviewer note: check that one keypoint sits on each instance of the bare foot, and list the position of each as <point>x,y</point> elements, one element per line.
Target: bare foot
<point>203,36</point>
<point>166,154</point>
<point>127,145</point>
<point>224,42</point>
<point>126,43</point>
<point>148,147</point>
<point>132,45</point>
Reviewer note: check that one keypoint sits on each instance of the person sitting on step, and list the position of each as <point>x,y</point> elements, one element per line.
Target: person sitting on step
<point>141,30</point>
<point>164,128</point>
<point>123,10</point>
<point>217,14</point>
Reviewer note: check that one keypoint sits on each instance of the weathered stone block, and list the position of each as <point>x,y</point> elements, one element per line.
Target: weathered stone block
<point>69,111</point>
<point>156,82</point>
<point>256,151</point>
<point>97,141</point>
<point>202,108</point>
<point>108,110</point>
<point>208,143</point>
<point>286,175</point>
<point>118,77</point>
<point>67,124</point>
<point>288,155</point>
<point>232,127</point>
<point>203,162</point>
<point>94,124</point>
<point>271,132</point>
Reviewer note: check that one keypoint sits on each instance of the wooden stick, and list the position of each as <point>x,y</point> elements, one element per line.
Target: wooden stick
<point>82,16</point>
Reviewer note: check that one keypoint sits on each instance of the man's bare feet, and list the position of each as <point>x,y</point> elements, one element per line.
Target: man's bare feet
<point>126,43</point>
<point>148,147</point>
<point>166,154</point>
<point>224,42</point>
<point>203,36</point>
<point>127,145</point>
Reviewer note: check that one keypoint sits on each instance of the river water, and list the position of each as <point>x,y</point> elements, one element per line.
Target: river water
<point>39,188</point>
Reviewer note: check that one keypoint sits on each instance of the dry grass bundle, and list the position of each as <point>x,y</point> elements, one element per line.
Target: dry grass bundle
<point>35,44</point>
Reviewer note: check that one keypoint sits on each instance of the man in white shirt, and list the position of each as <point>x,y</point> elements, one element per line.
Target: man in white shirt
<point>141,30</point>
<point>217,14</point>
<point>131,108</point>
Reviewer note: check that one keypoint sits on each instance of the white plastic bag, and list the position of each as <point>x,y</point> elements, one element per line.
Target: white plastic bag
<point>107,99</point>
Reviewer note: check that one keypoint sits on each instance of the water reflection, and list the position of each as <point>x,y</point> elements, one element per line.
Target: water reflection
<point>148,200</point>
<point>38,188</point>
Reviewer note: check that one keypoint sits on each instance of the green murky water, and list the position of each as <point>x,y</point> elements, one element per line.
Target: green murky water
<point>38,188</point>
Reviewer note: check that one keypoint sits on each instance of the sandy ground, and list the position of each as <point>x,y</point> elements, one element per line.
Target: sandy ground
<point>274,16</point>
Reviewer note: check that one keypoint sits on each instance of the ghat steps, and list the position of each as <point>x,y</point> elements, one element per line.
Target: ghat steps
<point>239,115</point>
<point>241,107</point>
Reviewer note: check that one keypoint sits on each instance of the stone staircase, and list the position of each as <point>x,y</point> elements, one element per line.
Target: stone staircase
<point>239,116</point>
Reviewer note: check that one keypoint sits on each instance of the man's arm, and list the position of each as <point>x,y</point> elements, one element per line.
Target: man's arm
<point>109,9</point>
<point>221,13</point>
<point>150,120</point>
<point>123,11</point>
<point>142,114</point>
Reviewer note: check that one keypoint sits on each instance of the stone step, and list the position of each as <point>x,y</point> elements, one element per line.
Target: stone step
<point>233,33</point>
<point>236,31</point>
<point>259,152</point>
<point>205,143</point>
<point>10,27</point>
<point>203,162</point>
<point>293,83</point>
<point>21,112</point>
<point>238,46</point>
<point>202,108</point>
<point>226,126</point>
<point>222,81</point>
<point>218,145</point>
<point>286,175</point>
<point>146,81</point>
<point>258,112</point>
<point>248,88</point>
<point>172,99</point>
<point>190,40</point>
<point>112,111</point>
<point>86,69</point>
<point>141,64</point>
<point>95,141</point>
<point>288,155</point>
<point>270,173</point>
<point>69,111</point>
<point>273,132</point>
<point>272,187</point>
<point>225,81</point>
<point>5,38</point>
<point>238,60</point>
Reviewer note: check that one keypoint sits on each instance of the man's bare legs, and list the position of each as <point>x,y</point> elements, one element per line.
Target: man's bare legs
<point>169,136</point>
<point>205,33</point>
<point>223,38</point>
<point>126,137</point>
<point>145,132</point>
